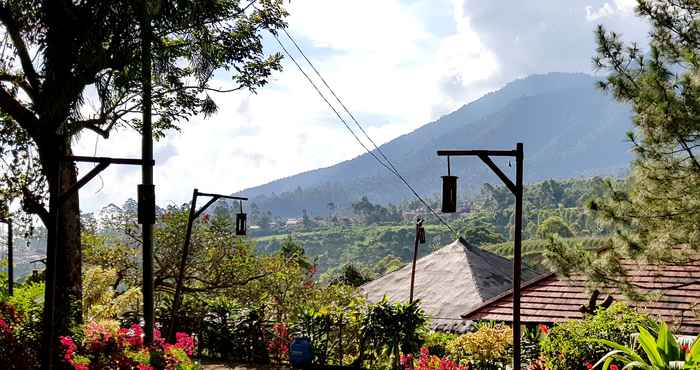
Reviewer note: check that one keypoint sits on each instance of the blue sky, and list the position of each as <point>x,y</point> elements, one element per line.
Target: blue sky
<point>396,64</point>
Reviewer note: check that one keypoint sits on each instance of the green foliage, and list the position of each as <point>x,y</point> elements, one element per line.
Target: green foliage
<point>662,352</point>
<point>21,327</point>
<point>436,342</point>
<point>233,333</point>
<point>554,225</point>
<point>375,213</point>
<point>390,328</point>
<point>568,345</point>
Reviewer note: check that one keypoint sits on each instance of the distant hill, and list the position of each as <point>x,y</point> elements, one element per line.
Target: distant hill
<point>568,128</point>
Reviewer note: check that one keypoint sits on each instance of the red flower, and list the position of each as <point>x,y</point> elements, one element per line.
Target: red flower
<point>5,327</point>
<point>589,366</point>
<point>544,329</point>
<point>614,367</point>
<point>205,217</point>
<point>685,347</point>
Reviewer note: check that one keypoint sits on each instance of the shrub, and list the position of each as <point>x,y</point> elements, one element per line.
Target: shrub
<point>436,342</point>
<point>107,346</point>
<point>568,345</point>
<point>389,328</point>
<point>20,327</point>
<point>487,347</point>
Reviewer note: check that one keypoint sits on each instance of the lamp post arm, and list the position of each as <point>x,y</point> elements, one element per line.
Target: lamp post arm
<point>509,184</point>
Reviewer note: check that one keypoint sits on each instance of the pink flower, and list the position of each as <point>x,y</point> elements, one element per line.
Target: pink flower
<point>145,367</point>
<point>184,342</point>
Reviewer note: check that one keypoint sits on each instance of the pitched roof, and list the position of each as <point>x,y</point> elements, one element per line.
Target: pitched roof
<point>448,282</point>
<point>675,290</point>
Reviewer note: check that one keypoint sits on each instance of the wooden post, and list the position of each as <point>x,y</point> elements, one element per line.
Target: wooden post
<point>419,224</point>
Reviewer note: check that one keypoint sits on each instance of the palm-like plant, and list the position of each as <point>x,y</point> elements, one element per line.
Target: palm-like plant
<point>650,353</point>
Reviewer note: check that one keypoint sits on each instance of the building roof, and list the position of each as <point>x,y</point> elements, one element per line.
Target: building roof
<point>448,282</point>
<point>674,292</point>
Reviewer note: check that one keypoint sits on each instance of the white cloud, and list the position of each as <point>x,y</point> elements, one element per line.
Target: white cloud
<point>595,14</point>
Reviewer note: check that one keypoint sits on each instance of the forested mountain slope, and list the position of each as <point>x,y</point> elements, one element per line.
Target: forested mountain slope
<point>568,127</point>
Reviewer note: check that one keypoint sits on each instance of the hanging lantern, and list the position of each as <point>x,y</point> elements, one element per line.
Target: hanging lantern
<point>449,191</point>
<point>240,221</point>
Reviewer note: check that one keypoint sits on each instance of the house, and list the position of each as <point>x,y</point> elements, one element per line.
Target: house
<point>674,291</point>
<point>448,282</point>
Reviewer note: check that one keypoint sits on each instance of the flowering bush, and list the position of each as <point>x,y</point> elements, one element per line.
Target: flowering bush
<point>567,345</point>
<point>20,328</point>
<point>486,348</point>
<point>428,362</point>
<point>106,345</point>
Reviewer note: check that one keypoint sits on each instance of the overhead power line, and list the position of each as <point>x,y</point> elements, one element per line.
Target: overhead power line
<point>388,164</point>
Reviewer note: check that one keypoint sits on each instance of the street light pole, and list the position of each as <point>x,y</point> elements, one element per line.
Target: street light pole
<point>517,190</point>
<point>146,188</point>
<point>193,214</point>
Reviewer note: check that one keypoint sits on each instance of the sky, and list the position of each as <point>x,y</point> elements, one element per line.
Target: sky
<point>396,64</point>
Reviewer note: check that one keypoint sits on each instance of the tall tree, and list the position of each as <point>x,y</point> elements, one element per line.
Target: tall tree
<point>67,66</point>
<point>661,209</point>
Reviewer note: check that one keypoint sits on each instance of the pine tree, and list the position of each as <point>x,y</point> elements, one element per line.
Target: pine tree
<point>660,210</point>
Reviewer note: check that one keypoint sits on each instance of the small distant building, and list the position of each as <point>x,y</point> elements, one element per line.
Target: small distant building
<point>448,283</point>
<point>294,223</point>
<point>551,299</point>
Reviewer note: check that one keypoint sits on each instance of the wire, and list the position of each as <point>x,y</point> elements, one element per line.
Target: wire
<point>390,165</point>
<point>330,105</point>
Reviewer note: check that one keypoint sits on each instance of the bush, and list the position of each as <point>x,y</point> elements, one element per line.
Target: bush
<point>20,327</point>
<point>436,342</point>
<point>390,328</point>
<point>487,347</point>
<point>568,345</point>
<point>107,346</point>
<point>230,332</point>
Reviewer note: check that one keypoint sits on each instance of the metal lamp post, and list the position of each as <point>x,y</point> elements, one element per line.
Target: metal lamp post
<point>194,213</point>
<point>449,204</point>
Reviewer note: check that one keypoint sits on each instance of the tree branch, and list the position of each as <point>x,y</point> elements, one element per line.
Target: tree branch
<point>18,112</point>
<point>14,31</point>
<point>31,205</point>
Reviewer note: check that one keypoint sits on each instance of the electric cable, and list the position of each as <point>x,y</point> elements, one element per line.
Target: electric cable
<point>390,165</point>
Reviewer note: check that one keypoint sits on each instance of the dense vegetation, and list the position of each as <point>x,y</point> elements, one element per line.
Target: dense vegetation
<point>375,236</point>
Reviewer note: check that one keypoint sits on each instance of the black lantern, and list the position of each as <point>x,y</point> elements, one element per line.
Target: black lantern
<point>240,221</point>
<point>449,191</point>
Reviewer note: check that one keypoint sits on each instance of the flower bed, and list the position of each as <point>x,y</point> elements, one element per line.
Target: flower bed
<point>106,345</point>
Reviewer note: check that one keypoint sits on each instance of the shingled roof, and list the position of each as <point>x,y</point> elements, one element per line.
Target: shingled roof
<point>550,299</point>
<point>449,282</point>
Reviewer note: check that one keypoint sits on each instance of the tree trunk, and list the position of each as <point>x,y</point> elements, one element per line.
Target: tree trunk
<point>68,279</point>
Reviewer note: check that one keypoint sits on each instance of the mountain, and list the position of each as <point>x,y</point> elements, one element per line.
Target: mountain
<point>568,128</point>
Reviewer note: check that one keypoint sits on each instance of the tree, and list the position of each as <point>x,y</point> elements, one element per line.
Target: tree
<point>68,67</point>
<point>554,225</point>
<point>661,209</point>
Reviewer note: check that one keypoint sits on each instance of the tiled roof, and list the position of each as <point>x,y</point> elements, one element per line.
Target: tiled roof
<point>675,297</point>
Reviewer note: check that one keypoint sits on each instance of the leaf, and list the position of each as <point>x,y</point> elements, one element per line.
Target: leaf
<point>646,340</point>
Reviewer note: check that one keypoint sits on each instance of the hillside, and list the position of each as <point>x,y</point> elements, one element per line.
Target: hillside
<point>568,127</point>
